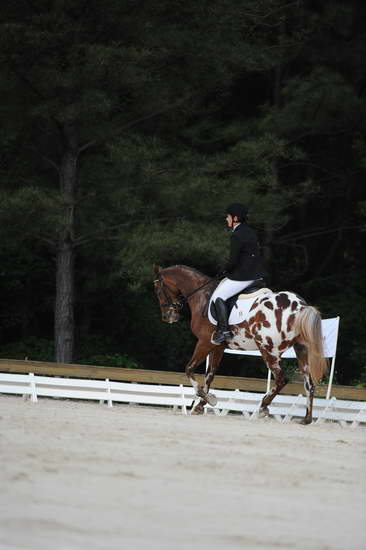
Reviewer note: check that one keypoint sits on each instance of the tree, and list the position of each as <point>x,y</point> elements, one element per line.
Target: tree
<point>80,73</point>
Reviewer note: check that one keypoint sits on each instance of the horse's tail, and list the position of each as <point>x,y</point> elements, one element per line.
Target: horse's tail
<point>308,325</point>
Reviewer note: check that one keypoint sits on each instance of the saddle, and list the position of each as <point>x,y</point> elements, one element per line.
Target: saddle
<point>246,297</point>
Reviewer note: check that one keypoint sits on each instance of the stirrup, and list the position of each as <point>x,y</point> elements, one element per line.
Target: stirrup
<point>218,337</point>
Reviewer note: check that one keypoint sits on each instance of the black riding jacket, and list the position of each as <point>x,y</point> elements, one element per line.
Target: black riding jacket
<point>245,262</point>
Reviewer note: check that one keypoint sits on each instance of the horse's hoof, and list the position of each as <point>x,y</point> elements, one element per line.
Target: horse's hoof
<point>263,412</point>
<point>305,421</point>
<point>211,399</point>
<point>197,411</point>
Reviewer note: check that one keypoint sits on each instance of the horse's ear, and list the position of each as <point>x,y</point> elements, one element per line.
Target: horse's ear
<point>157,269</point>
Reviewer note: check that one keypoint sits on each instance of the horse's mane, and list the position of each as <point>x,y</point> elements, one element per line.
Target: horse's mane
<point>188,268</point>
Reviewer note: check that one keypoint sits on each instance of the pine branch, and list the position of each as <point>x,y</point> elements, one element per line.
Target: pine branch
<point>101,234</point>
<point>43,157</point>
<point>134,122</point>
<point>50,242</point>
<point>315,233</point>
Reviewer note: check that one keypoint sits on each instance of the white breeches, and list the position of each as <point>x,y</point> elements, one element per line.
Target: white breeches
<point>228,288</point>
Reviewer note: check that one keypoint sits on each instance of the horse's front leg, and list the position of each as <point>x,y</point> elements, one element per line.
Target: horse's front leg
<point>199,355</point>
<point>213,362</point>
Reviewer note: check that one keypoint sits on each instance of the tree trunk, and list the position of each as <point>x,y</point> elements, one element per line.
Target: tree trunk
<point>64,306</point>
<point>65,264</point>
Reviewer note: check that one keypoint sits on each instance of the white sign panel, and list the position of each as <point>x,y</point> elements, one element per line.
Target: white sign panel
<point>330,337</point>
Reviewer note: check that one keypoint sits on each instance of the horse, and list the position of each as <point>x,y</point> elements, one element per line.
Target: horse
<point>276,322</point>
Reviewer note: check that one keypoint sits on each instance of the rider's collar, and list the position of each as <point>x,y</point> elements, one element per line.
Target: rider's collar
<point>237,225</point>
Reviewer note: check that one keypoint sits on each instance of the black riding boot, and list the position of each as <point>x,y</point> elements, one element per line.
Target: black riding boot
<point>222,333</point>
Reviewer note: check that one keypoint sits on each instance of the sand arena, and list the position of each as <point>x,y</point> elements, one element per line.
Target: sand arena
<point>78,475</point>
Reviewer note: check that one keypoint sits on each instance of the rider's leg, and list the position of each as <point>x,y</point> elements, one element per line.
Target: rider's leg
<point>225,290</point>
<point>222,332</point>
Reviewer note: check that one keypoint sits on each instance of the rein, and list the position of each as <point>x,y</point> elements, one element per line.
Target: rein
<point>197,289</point>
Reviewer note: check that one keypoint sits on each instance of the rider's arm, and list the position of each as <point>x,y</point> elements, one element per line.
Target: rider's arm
<point>235,246</point>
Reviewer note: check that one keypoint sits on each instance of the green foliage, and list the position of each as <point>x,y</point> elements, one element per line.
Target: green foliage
<point>180,242</point>
<point>155,344</point>
<point>311,104</point>
<point>112,360</point>
<point>28,212</point>
<point>32,348</point>
<point>40,349</point>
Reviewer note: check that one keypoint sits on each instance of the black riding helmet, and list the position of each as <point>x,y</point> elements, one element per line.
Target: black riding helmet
<point>237,209</point>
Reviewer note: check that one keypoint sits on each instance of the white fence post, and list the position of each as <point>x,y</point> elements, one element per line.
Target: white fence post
<point>109,395</point>
<point>184,408</point>
<point>358,419</point>
<point>329,407</point>
<point>33,388</point>
<point>287,417</point>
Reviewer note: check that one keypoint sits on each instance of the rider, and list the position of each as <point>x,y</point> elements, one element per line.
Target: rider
<point>243,268</point>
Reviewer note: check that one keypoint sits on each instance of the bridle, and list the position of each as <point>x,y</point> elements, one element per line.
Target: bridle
<point>177,306</point>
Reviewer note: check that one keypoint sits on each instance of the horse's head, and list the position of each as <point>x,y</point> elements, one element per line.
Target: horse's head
<point>168,295</point>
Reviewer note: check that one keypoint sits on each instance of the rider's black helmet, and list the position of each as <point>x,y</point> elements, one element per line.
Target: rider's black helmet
<point>237,209</point>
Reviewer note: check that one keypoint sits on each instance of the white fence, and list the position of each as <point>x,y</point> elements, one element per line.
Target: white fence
<point>283,407</point>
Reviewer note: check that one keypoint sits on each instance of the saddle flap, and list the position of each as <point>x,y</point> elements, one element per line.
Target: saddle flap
<point>238,306</point>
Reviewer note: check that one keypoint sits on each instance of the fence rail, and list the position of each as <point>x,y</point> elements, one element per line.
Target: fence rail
<point>283,408</point>
<point>169,378</point>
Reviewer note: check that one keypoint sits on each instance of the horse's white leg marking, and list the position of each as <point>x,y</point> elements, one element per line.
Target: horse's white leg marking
<point>309,390</point>
<point>307,386</point>
<point>197,399</point>
<point>195,385</point>
<point>194,382</point>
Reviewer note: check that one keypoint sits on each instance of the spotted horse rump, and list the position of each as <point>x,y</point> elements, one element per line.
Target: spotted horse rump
<point>275,322</point>
<point>269,323</point>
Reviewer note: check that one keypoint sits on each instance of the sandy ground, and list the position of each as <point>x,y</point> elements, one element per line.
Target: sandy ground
<point>77,475</point>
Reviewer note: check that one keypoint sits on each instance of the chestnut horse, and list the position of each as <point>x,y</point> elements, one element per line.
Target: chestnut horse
<point>276,322</point>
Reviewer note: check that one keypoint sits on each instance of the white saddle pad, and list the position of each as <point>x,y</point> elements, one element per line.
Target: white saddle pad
<point>240,311</point>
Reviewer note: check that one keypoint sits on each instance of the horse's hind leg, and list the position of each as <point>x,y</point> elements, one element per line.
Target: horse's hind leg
<point>273,363</point>
<point>302,357</point>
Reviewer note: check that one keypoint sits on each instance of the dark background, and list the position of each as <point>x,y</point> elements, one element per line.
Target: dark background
<point>126,128</point>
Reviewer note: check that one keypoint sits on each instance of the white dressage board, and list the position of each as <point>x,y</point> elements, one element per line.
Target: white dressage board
<point>330,338</point>
<point>330,328</point>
